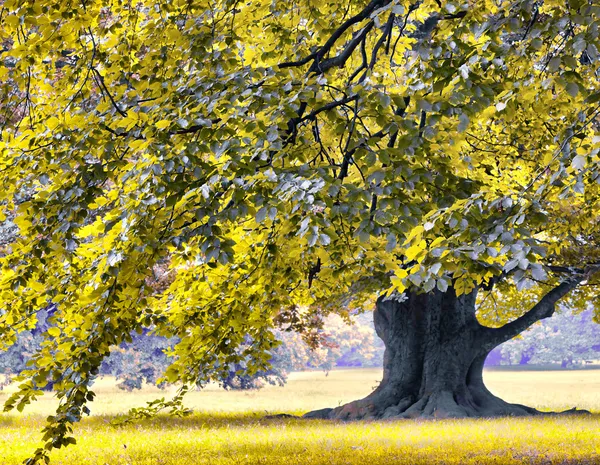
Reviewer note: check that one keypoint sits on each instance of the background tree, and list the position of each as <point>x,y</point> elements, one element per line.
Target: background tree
<point>567,339</point>
<point>142,359</point>
<point>341,343</point>
<point>272,154</point>
<point>14,360</point>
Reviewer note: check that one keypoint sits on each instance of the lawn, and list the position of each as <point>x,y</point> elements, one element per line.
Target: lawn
<point>230,428</point>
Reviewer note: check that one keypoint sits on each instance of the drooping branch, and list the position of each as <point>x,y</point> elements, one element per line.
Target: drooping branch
<point>348,154</point>
<point>543,309</point>
<point>387,33</point>
<point>100,80</point>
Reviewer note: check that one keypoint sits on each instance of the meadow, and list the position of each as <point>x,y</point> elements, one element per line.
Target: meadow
<point>231,428</point>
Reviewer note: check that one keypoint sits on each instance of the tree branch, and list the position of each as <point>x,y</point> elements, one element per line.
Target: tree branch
<point>327,107</point>
<point>543,309</point>
<point>340,60</point>
<point>328,45</point>
<point>295,64</point>
<point>102,85</point>
<point>572,269</point>
<point>384,36</point>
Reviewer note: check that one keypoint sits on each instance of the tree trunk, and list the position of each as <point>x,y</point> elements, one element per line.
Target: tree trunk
<point>434,357</point>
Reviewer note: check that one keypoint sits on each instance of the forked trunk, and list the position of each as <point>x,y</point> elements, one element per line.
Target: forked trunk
<point>433,362</point>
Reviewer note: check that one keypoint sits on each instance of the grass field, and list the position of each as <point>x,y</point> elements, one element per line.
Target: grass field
<point>229,427</point>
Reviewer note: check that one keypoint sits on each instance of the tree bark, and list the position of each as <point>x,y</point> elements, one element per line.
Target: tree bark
<point>434,357</point>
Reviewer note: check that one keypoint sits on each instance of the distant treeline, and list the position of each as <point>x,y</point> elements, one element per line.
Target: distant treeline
<point>144,359</point>
<point>567,339</point>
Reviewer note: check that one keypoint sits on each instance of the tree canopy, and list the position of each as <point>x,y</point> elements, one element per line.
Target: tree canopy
<point>212,169</point>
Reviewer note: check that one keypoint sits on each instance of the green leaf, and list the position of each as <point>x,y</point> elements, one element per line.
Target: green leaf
<point>572,89</point>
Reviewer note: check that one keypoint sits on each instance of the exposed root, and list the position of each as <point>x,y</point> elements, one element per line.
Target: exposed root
<point>437,405</point>
<point>277,416</point>
<point>321,414</point>
<point>572,411</point>
<point>371,407</point>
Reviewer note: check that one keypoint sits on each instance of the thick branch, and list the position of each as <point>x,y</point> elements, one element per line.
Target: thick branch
<point>330,106</point>
<point>587,267</point>
<point>327,46</point>
<point>543,309</point>
<point>340,60</point>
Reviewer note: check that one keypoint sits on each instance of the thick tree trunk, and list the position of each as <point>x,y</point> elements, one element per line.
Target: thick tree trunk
<point>434,356</point>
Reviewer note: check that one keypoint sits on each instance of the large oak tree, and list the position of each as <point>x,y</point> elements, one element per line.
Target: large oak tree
<point>288,159</point>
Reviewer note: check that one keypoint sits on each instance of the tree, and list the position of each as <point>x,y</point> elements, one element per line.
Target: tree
<point>419,153</point>
<point>340,343</point>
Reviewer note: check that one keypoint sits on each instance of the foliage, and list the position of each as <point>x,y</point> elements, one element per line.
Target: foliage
<point>174,407</point>
<point>14,360</point>
<point>205,167</point>
<point>144,359</point>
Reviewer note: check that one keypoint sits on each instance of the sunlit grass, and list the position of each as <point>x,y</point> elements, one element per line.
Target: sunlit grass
<point>230,428</point>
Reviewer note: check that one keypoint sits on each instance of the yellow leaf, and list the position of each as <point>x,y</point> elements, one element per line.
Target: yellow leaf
<point>412,252</point>
<point>173,33</point>
<point>415,232</point>
<point>54,331</point>
<point>52,122</point>
<point>437,241</point>
<point>165,123</point>
<point>398,284</point>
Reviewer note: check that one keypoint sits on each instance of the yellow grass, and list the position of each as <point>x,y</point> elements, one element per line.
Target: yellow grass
<point>229,428</point>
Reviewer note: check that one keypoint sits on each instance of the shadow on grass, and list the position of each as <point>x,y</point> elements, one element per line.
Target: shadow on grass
<point>213,420</point>
<point>548,367</point>
<point>218,420</point>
